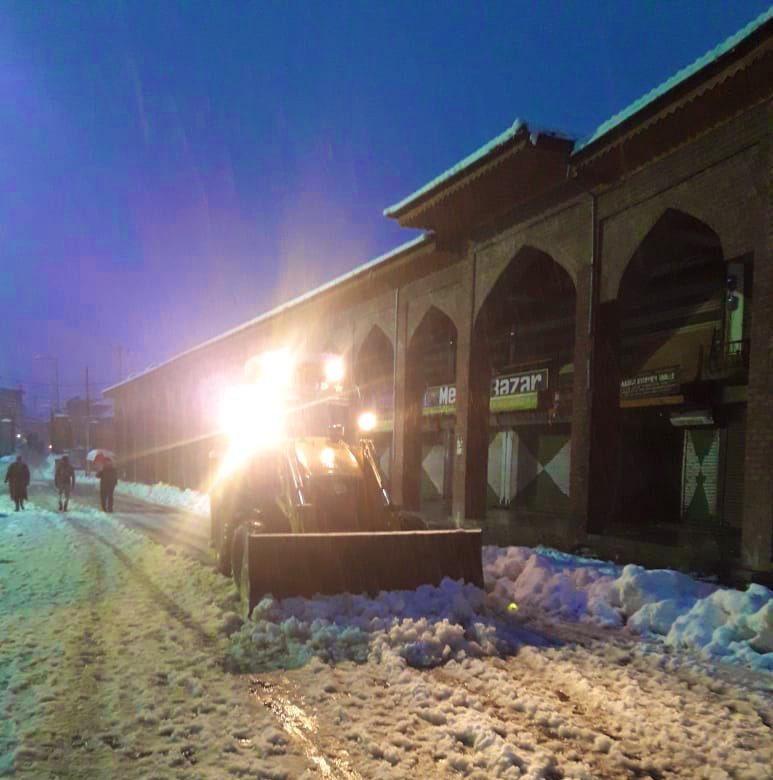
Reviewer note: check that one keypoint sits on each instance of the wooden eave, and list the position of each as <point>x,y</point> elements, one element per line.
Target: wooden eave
<point>514,176</point>
<point>714,95</point>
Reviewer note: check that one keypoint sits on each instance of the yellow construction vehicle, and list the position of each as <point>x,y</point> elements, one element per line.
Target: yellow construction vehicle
<point>299,505</point>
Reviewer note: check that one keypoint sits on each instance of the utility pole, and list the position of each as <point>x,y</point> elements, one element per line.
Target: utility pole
<point>56,380</point>
<point>88,410</point>
<point>56,376</point>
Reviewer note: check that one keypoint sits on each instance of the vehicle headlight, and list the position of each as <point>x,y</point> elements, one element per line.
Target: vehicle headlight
<point>334,370</point>
<point>367,421</point>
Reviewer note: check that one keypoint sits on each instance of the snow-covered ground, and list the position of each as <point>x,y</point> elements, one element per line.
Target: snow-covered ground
<point>722,623</point>
<point>114,651</point>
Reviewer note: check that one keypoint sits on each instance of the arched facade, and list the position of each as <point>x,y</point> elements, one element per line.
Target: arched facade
<point>675,348</point>
<point>429,410</point>
<point>373,373</point>
<point>521,390</point>
<point>577,350</point>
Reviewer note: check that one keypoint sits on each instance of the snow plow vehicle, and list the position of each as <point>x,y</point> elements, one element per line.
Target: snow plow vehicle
<point>299,507</point>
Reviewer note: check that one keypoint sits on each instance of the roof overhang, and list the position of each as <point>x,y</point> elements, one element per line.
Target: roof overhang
<point>405,252</point>
<point>514,167</point>
<point>736,75</point>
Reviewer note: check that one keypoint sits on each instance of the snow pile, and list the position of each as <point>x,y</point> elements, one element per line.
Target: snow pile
<point>426,627</point>
<point>718,622</point>
<point>160,493</point>
<point>167,495</point>
<point>434,625</point>
<point>566,586</point>
<point>729,625</point>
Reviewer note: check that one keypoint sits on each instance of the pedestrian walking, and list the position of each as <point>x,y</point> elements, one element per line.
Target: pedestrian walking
<point>64,479</point>
<point>18,479</point>
<point>108,479</point>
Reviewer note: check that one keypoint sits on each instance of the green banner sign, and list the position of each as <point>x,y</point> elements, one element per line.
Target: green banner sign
<point>508,393</point>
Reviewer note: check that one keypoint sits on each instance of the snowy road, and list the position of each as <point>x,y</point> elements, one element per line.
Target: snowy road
<point>589,708</point>
<point>187,532</point>
<point>113,650</point>
<point>111,660</point>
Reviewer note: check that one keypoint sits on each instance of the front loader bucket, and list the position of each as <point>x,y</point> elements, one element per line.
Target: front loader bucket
<point>305,564</point>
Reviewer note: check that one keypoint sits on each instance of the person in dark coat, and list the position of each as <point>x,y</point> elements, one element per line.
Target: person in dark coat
<point>18,479</point>
<point>108,479</point>
<point>64,479</point>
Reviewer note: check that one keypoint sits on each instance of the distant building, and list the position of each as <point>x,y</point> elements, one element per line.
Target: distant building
<point>11,414</point>
<point>91,423</point>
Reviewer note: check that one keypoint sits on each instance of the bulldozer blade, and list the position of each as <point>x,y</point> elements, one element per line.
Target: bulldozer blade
<point>305,564</point>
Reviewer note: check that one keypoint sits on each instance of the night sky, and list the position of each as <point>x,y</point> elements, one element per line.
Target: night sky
<point>171,169</point>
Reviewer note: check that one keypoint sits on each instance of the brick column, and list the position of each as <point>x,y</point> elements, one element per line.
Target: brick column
<point>579,466</point>
<point>757,530</point>
<point>468,500</point>
<point>403,476</point>
<point>604,433</point>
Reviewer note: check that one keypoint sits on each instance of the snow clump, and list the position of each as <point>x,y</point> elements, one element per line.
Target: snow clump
<point>425,627</point>
<point>722,623</point>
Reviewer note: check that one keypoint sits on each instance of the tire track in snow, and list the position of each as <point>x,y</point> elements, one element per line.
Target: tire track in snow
<point>660,722</point>
<point>293,719</point>
<point>169,529</point>
<point>332,763</point>
<point>72,719</point>
<point>537,731</point>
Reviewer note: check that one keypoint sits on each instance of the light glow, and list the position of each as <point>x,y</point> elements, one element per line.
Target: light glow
<point>274,368</point>
<point>252,416</point>
<point>327,457</point>
<point>334,370</point>
<point>367,421</point>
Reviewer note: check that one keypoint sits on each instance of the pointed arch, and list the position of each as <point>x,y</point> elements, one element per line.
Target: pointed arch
<point>675,236</point>
<point>669,316</point>
<point>439,305</point>
<point>512,257</point>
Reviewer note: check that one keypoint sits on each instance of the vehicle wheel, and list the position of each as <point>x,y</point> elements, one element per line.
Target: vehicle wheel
<point>238,550</point>
<point>410,522</point>
<point>245,593</point>
<point>224,552</point>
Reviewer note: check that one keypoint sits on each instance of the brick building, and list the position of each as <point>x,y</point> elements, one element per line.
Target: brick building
<point>578,349</point>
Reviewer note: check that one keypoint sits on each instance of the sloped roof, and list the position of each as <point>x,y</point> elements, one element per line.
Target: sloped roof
<point>307,296</point>
<point>678,78</point>
<point>471,159</point>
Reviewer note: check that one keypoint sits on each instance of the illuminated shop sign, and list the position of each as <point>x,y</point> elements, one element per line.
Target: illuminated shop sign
<point>440,399</point>
<point>510,392</point>
<point>661,381</point>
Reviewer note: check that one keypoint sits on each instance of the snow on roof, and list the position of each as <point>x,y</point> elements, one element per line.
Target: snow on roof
<point>303,298</point>
<point>479,154</point>
<point>675,80</point>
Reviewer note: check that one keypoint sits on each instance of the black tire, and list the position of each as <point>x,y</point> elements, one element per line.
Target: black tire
<point>238,550</point>
<point>410,522</point>
<point>245,593</point>
<point>224,551</point>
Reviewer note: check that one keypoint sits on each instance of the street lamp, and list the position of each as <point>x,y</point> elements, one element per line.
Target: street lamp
<point>56,374</point>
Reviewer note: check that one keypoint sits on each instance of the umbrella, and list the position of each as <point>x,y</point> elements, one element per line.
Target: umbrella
<point>97,458</point>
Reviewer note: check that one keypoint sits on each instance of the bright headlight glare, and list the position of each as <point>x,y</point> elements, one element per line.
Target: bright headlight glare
<point>367,421</point>
<point>334,370</point>
<point>252,416</point>
<point>327,457</point>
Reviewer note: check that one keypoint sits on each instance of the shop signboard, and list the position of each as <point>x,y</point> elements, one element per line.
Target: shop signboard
<point>508,393</point>
<point>519,391</point>
<point>440,399</point>
<point>649,384</point>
